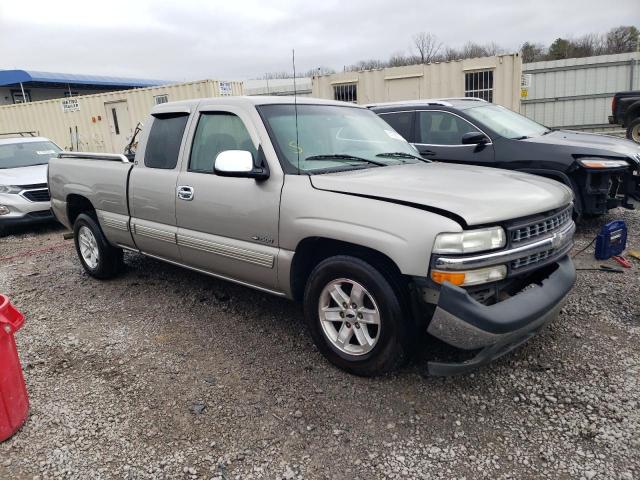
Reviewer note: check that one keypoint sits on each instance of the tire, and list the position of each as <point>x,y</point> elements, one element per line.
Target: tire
<point>102,260</point>
<point>633,130</point>
<point>387,345</point>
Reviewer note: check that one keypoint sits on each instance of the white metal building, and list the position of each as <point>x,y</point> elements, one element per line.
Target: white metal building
<point>576,93</point>
<point>496,79</point>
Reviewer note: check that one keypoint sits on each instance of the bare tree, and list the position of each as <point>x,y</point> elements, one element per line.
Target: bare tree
<point>622,39</point>
<point>427,46</point>
<point>399,59</point>
<point>532,52</point>
<point>450,54</point>
<point>370,64</point>
<point>473,50</point>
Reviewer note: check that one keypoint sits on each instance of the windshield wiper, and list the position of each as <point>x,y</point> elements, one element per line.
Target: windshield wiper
<point>341,156</point>
<point>400,155</point>
<point>523,137</point>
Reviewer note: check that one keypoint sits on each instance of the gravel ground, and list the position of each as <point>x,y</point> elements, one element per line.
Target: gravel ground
<point>164,373</point>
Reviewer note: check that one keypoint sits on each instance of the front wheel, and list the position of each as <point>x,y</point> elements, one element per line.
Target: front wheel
<point>633,130</point>
<point>355,317</point>
<point>98,257</point>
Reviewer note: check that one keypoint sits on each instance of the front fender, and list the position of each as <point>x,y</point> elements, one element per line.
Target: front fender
<point>404,234</point>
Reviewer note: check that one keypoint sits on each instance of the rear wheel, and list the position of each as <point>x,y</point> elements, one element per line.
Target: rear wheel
<point>98,257</point>
<point>355,317</point>
<point>633,130</point>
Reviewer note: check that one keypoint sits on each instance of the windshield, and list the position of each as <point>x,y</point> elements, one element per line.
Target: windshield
<point>332,138</point>
<point>505,122</point>
<point>26,154</point>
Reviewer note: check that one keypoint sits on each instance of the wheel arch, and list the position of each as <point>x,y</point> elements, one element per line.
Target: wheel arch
<point>77,204</point>
<point>310,251</point>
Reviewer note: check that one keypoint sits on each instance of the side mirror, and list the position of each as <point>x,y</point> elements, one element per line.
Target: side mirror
<point>474,138</point>
<point>238,163</point>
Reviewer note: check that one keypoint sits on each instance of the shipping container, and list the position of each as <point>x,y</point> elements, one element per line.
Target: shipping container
<point>103,122</point>
<point>496,79</point>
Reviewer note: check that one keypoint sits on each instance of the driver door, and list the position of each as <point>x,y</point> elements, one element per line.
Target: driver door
<point>227,226</point>
<point>438,136</point>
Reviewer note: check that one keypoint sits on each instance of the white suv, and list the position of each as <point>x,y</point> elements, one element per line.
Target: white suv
<point>24,193</point>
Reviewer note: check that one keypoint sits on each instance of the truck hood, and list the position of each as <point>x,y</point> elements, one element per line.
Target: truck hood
<point>583,143</point>
<point>24,175</point>
<point>477,195</point>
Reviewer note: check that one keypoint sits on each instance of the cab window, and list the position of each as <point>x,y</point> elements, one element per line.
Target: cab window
<point>217,132</point>
<point>165,137</point>
<point>442,128</point>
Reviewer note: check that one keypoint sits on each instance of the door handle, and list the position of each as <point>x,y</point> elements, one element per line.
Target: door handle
<point>185,192</point>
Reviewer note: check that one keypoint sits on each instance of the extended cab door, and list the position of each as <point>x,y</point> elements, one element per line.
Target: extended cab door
<point>152,186</point>
<point>227,226</point>
<point>438,136</point>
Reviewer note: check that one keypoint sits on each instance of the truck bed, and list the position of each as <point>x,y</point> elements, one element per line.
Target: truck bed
<point>99,177</point>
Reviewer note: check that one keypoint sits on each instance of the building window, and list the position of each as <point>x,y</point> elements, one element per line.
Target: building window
<point>18,98</point>
<point>479,85</point>
<point>346,92</point>
<point>69,94</point>
<point>161,99</point>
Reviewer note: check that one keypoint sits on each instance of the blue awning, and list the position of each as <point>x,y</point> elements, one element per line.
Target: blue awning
<point>14,77</point>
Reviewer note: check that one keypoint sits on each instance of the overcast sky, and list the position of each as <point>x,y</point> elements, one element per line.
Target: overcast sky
<point>239,39</point>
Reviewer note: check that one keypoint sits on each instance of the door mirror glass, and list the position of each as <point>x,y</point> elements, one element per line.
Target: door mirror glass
<point>234,162</point>
<point>474,138</point>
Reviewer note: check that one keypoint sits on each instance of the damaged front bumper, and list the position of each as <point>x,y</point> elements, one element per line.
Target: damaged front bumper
<point>610,188</point>
<point>462,322</point>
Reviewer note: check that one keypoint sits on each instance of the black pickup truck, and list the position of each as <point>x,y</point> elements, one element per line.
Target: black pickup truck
<point>603,171</point>
<point>625,111</point>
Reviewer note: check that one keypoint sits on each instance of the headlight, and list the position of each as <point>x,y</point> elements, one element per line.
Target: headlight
<point>470,241</point>
<point>9,189</point>
<point>597,163</point>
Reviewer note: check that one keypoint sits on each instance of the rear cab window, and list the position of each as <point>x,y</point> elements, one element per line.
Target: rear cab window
<point>165,138</point>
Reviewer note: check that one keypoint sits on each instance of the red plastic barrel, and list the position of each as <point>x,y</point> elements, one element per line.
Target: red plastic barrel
<point>14,401</point>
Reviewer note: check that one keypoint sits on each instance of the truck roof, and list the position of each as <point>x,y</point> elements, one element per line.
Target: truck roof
<point>187,106</point>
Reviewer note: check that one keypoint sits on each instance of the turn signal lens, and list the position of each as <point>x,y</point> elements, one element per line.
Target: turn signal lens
<point>454,277</point>
<point>470,277</point>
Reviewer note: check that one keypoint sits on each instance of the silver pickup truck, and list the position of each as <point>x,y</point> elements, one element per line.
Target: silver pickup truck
<point>323,202</point>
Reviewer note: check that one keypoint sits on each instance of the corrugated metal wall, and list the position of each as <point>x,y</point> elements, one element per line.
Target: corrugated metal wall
<point>577,92</point>
<point>91,121</point>
<point>433,80</point>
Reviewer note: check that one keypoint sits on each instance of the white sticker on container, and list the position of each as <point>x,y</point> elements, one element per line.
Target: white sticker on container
<point>46,152</point>
<point>394,135</point>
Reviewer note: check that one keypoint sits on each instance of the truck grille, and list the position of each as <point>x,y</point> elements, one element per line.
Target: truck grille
<point>531,259</point>
<point>40,195</point>
<point>541,227</point>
